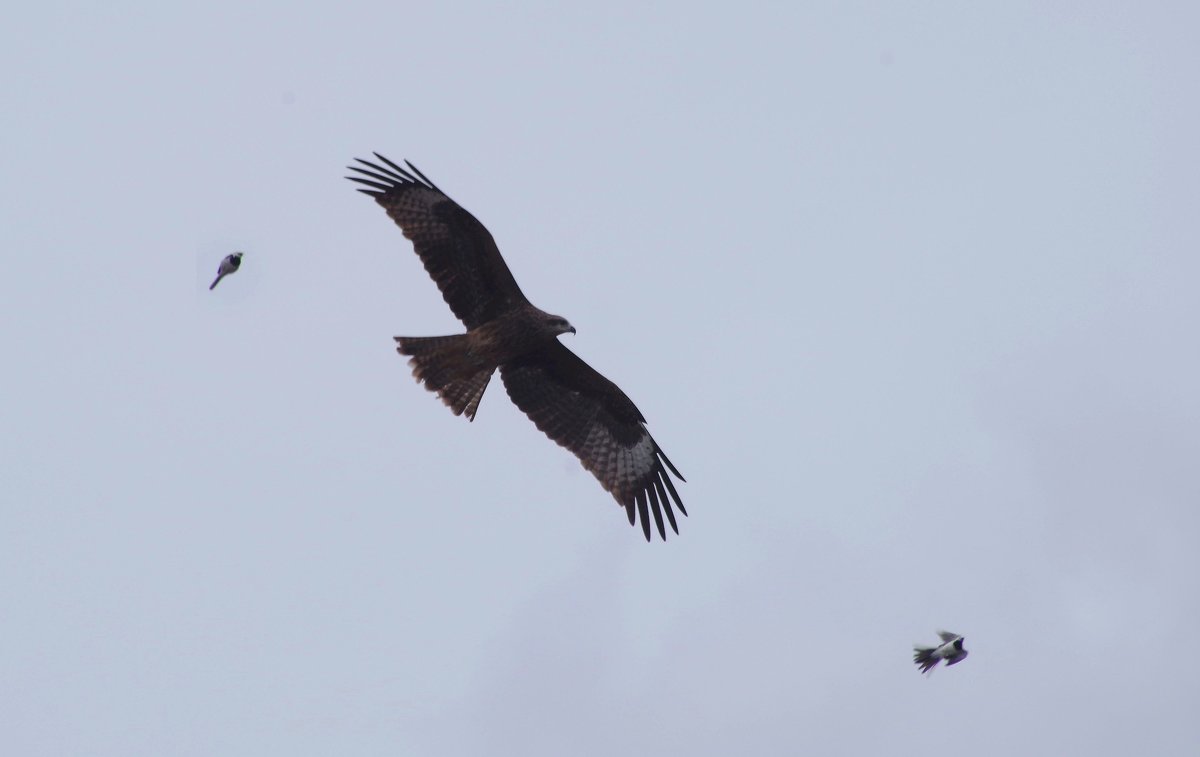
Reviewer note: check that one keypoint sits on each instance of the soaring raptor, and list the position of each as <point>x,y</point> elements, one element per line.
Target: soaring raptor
<point>565,397</point>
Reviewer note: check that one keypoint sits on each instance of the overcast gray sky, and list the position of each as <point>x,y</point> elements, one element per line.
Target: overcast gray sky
<point>907,291</point>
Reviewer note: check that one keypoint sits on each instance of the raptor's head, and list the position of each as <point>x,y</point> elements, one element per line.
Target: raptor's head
<point>556,324</point>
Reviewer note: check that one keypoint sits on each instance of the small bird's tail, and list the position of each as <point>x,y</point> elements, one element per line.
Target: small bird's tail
<point>216,281</point>
<point>446,365</point>
<point>923,657</point>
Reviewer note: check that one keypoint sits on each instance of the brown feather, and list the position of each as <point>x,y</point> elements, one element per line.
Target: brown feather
<point>586,413</point>
<point>455,248</point>
<point>445,365</point>
<point>566,398</point>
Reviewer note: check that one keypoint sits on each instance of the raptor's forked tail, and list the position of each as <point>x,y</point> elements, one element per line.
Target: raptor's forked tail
<point>446,365</point>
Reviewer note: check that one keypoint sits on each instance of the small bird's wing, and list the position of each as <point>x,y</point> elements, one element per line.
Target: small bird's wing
<point>947,636</point>
<point>225,268</point>
<point>588,414</point>
<point>924,658</point>
<point>455,248</point>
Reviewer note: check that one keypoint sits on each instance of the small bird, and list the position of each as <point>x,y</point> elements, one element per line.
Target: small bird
<point>951,650</point>
<point>229,265</point>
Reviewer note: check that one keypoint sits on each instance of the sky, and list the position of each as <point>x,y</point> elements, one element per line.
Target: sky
<point>907,291</point>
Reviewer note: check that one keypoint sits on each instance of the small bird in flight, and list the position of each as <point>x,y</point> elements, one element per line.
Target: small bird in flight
<point>229,265</point>
<point>951,650</point>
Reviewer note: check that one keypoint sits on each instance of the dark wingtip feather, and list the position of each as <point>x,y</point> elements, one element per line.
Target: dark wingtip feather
<point>656,508</point>
<point>662,495</point>
<point>640,498</point>
<point>391,174</point>
<point>671,488</point>
<point>662,456</point>
<point>418,178</point>
<point>424,178</point>
<point>377,188</point>
<point>382,178</point>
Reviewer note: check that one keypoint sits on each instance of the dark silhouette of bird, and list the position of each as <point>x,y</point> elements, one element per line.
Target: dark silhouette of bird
<point>229,265</point>
<point>566,398</point>
<point>951,650</point>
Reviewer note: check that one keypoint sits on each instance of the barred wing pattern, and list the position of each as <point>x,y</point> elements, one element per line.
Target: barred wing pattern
<point>567,400</point>
<point>456,249</point>
<point>583,411</point>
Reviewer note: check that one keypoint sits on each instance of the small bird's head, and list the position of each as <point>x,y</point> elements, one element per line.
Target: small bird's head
<point>958,644</point>
<point>559,325</point>
<point>238,255</point>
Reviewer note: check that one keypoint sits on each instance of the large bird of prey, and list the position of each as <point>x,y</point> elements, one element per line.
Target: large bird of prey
<point>565,397</point>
